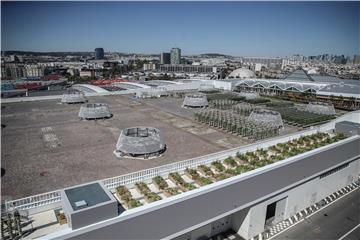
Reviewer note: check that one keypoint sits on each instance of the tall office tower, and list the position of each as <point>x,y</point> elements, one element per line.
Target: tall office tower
<point>165,58</point>
<point>175,57</point>
<point>99,53</point>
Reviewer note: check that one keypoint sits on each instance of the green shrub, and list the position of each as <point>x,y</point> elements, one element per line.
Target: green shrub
<point>230,161</point>
<point>160,182</point>
<point>218,165</point>
<point>134,203</point>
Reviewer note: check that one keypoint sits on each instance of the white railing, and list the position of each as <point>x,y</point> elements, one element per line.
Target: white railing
<point>43,201</point>
<point>50,200</point>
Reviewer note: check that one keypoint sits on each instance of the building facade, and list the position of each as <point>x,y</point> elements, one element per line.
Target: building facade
<point>34,71</point>
<point>87,73</point>
<point>175,56</point>
<point>12,71</point>
<point>165,58</point>
<point>189,69</point>
<point>357,59</point>
<point>149,66</point>
<point>272,63</point>
<point>99,53</point>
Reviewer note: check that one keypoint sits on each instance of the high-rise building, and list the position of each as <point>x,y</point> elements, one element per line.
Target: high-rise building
<point>165,58</point>
<point>175,56</point>
<point>357,59</point>
<point>99,53</point>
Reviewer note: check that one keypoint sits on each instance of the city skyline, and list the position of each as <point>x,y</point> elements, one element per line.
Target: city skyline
<point>232,28</point>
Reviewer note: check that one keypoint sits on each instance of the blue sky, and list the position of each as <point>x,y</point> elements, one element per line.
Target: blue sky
<point>235,28</point>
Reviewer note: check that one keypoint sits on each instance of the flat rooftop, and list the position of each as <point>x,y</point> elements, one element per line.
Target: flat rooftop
<point>92,194</point>
<point>353,124</point>
<point>45,146</point>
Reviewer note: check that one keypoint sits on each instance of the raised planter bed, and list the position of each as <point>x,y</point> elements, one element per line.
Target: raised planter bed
<point>125,195</point>
<point>145,190</point>
<point>169,192</point>
<point>142,188</point>
<point>178,180</point>
<point>133,203</point>
<point>160,182</point>
<point>205,170</point>
<point>222,176</point>
<point>152,197</point>
<point>230,162</point>
<point>218,166</point>
<point>194,175</point>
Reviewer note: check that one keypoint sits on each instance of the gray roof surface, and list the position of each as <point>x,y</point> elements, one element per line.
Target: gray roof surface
<point>354,124</point>
<point>92,194</point>
<point>299,75</point>
<point>342,88</point>
<point>331,79</point>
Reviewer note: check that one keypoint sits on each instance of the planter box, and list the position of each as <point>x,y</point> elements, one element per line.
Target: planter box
<point>203,173</point>
<point>168,194</point>
<point>148,200</point>
<point>182,188</point>
<point>157,186</point>
<point>197,181</point>
<point>138,189</point>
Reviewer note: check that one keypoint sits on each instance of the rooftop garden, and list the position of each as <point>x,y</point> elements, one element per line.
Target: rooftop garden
<point>229,167</point>
<point>145,190</point>
<point>296,116</point>
<point>178,180</point>
<point>236,124</point>
<point>161,184</point>
<point>225,96</point>
<point>257,100</point>
<point>124,194</point>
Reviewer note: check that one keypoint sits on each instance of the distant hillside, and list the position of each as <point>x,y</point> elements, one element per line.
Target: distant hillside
<point>47,53</point>
<point>214,55</point>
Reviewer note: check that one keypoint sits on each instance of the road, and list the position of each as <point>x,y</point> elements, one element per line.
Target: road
<point>339,221</point>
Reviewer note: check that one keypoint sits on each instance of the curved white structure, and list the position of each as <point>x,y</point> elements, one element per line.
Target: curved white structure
<point>156,83</point>
<point>130,85</point>
<point>242,73</point>
<point>197,100</point>
<point>151,92</point>
<point>140,142</point>
<point>73,98</point>
<point>321,88</point>
<point>266,116</point>
<point>282,85</point>
<point>87,88</point>
<point>94,111</point>
<point>321,108</point>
